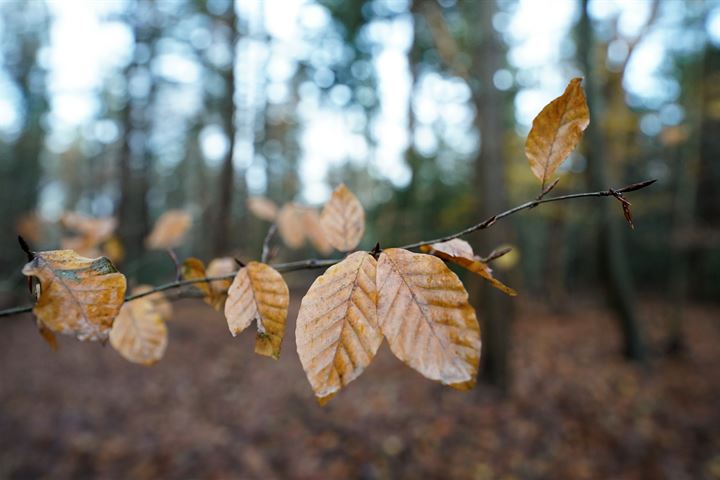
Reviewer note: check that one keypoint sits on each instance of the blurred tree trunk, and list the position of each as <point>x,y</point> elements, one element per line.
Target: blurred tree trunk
<point>615,272</point>
<point>496,310</point>
<point>686,176</point>
<point>226,181</point>
<point>135,160</point>
<point>22,165</point>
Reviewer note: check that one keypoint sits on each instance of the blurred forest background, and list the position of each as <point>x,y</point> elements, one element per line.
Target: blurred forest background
<point>131,108</point>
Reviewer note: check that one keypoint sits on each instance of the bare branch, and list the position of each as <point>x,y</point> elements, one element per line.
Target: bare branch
<point>266,250</point>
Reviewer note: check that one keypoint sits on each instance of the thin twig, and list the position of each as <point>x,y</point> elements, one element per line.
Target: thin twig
<point>316,263</point>
<point>266,250</point>
<point>533,203</point>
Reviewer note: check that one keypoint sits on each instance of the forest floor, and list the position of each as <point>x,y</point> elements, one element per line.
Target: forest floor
<point>211,409</point>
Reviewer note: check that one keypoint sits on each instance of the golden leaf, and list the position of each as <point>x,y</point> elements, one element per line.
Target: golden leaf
<point>461,253</point>
<point>314,231</point>
<point>160,302</point>
<point>139,333</point>
<point>82,245</point>
<point>96,230</point>
<point>262,208</point>
<point>169,230</point>
<point>556,131</point>
<point>113,249</point>
<point>424,313</point>
<point>194,268</point>
<point>30,226</point>
<point>343,219</point>
<point>47,335</point>
<point>290,225</point>
<point>79,296</point>
<point>259,293</point>
<point>336,332</point>
<point>217,268</point>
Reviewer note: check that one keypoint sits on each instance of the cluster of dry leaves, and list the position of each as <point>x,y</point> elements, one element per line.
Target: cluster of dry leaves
<point>413,300</point>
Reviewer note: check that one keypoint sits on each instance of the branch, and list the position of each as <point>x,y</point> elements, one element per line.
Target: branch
<point>531,204</point>
<point>315,263</point>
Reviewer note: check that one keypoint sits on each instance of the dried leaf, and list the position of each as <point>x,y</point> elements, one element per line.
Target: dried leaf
<point>169,230</point>
<point>343,219</point>
<point>30,226</point>
<point>79,296</point>
<point>219,267</point>
<point>96,230</point>
<point>113,249</point>
<point>424,313</point>
<point>461,253</point>
<point>139,333</point>
<point>161,304</point>
<point>315,232</point>
<point>47,335</point>
<point>259,293</point>
<point>556,131</point>
<point>262,208</point>
<point>337,333</point>
<point>194,268</point>
<point>290,225</point>
<point>82,245</point>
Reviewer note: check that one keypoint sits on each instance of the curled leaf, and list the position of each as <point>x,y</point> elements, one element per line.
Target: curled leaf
<point>220,267</point>
<point>259,293</point>
<point>139,333</point>
<point>78,296</point>
<point>96,229</point>
<point>262,208</point>
<point>343,219</point>
<point>424,313</point>
<point>291,226</point>
<point>461,253</point>
<point>214,292</point>
<point>337,333</point>
<point>169,230</point>
<point>315,232</point>
<point>556,131</point>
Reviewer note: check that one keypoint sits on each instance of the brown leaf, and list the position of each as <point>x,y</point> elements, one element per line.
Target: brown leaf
<point>219,267</point>
<point>169,230</point>
<point>47,335</point>
<point>337,333</point>
<point>192,269</point>
<point>315,232</point>
<point>343,219</point>
<point>262,208</point>
<point>291,226</point>
<point>82,245</point>
<point>160,302</point>
<point>96,230</point>
<point>30,226</point>
<point>424,313</point>
<point>259,293</point>
<point>461,253</point>
<point>78,296</point>
<point>556,131</point>
<point>113,249</point>
<point>139,333</point>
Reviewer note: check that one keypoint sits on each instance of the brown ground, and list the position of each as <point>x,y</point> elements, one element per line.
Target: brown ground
<point>212,409</point>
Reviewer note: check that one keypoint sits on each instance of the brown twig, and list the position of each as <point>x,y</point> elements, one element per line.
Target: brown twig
<point>266,250</point>
<point>315,263</point>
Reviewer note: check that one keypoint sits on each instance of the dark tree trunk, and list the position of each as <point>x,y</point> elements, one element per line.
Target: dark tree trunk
<point>223,219</point>
<point>495,308</point>
<point>615,273</point>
